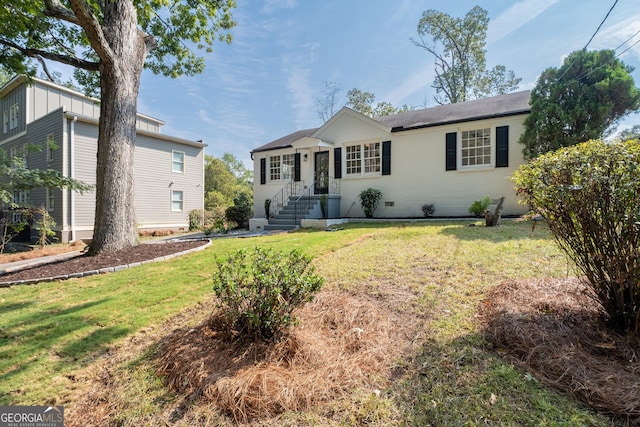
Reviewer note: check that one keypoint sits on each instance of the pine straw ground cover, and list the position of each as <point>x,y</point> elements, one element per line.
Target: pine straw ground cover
<point>552,328</point>
<point>395,338</point>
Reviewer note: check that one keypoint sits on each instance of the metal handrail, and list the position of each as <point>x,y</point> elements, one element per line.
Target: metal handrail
<point>281,198</point>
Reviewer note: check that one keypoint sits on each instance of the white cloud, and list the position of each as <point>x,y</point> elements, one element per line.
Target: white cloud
<point>420,80</point>
<point>515,17</point>
<point>623,31</point>
<point>271,6</point>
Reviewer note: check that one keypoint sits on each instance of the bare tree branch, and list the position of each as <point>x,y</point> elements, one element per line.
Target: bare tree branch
<point>65,59</point>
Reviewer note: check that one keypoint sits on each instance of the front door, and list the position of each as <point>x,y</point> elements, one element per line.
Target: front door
<point>322,172</point>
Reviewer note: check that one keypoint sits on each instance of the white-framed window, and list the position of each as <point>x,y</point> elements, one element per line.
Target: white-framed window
<point>177,201</point>
<point>363,159</point>
<point>51,147</point>
<point>475,147</point>
<point>177,161</point>
<point>281,167</point>
<point>21,198</point>
<point>288,163</point>
<point>50,199</point>
<point>5,121</point>
<point>274,168</point>
<point>13,154</point>
<point>14,114</point>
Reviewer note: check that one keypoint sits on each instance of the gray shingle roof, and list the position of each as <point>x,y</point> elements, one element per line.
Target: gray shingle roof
<point>486,108</point>
<point>285,141</point>
<point>496,106</point>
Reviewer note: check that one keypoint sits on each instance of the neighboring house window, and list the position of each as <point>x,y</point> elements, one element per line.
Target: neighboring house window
<point>5,121</point>
<point>363,158</point>
<point>13,116</point>
<point>50,201</point>
<point>51,146</point>
<point>177,161</point>
<point>476,147</point>
<point>21,198</point>
<point>177,201</point>
<point>13,154</point>
<point>274,168</point>
<point>288,164</point>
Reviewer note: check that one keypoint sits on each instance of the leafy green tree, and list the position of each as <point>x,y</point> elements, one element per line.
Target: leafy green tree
<point>630,133</point>
<point>112,41</point>
<point>4,76</point>
<point>584,99</point>
<point>15,177</point>
<point>590,195</point>
<point>362,102</point>
<point>458,47</point>
<point>219,183</point>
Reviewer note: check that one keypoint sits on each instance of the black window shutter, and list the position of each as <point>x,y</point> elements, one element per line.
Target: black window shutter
<point>337,162</point>
<point>386,157</point>
<point>263,171</point>
<point>296,167</point>
<point>502,146</point>
<point>451,163</point>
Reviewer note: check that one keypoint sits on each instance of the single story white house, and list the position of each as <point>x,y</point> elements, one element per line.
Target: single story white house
<point>449,155</point>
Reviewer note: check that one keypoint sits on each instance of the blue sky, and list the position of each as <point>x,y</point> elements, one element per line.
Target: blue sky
<point>264,85</point>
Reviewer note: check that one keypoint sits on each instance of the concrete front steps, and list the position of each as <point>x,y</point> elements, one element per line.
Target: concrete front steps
<point>296,210</point>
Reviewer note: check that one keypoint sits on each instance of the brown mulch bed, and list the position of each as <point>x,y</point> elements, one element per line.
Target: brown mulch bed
<point>83,263</point>
<point>555,331</point>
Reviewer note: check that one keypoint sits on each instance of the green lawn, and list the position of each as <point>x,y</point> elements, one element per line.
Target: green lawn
<point>51,332</point>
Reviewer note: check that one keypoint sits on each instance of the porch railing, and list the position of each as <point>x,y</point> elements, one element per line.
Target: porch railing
<point>307,199</point>
<point>281,198</point>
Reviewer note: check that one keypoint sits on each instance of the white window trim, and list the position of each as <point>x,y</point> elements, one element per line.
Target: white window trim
<point>50,204</point>
<point>14,112</point>
<point>173,162</point>
<point>5,121</point>
<point>181,201</point>
<point>362,173</point>
<point>492,146</point>
<point>283,166</point>
<point>275,170</point>
<point>50,146</point>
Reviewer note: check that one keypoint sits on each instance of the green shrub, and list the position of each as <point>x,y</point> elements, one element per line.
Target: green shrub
<point>196,219</point>
<point>43,223</point>
<point>258,289</point>
<point>369,199</point>
<point>590,196</point>
<point>240,212</point>
<point>428,209</point>
<point>479,206</point>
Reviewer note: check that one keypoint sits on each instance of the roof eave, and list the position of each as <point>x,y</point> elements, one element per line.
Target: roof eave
<point>468,119</point>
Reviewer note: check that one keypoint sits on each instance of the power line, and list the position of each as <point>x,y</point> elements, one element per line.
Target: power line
<point>594,34</point>
<point>601,23</point>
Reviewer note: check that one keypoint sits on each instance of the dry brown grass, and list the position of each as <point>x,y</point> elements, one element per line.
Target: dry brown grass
<point>553,328</point>
<point>344,342</point>
<point>37,252</point>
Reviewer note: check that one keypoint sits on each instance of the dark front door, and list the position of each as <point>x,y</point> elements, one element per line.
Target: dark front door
<point>322,172</point>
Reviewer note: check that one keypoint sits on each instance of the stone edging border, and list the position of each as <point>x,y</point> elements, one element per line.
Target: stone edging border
<point>104,270</point>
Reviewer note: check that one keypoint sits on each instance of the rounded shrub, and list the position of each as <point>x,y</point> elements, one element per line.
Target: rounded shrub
<point>369,199</point>
<point>590,196</point>
<point>258,289</point>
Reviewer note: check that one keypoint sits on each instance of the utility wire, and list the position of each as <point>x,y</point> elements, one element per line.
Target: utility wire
<point>589,42</point>
<point>601,23</point>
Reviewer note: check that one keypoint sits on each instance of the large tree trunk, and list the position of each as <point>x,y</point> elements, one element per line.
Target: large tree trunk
<point>114,226</point>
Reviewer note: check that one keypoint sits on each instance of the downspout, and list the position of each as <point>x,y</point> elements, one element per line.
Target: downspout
<point>72,137</point>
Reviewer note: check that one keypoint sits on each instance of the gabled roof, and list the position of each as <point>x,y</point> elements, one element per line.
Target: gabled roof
<point>509,104</point>
<point>286,141</point>
<point>497,106</point>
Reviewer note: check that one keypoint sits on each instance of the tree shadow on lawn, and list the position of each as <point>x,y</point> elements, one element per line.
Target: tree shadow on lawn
<point>47,331</point>
<point>554,329</point>
<point>510,231</point>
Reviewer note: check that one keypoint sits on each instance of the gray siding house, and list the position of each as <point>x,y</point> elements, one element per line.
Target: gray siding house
<point>53,127</point>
